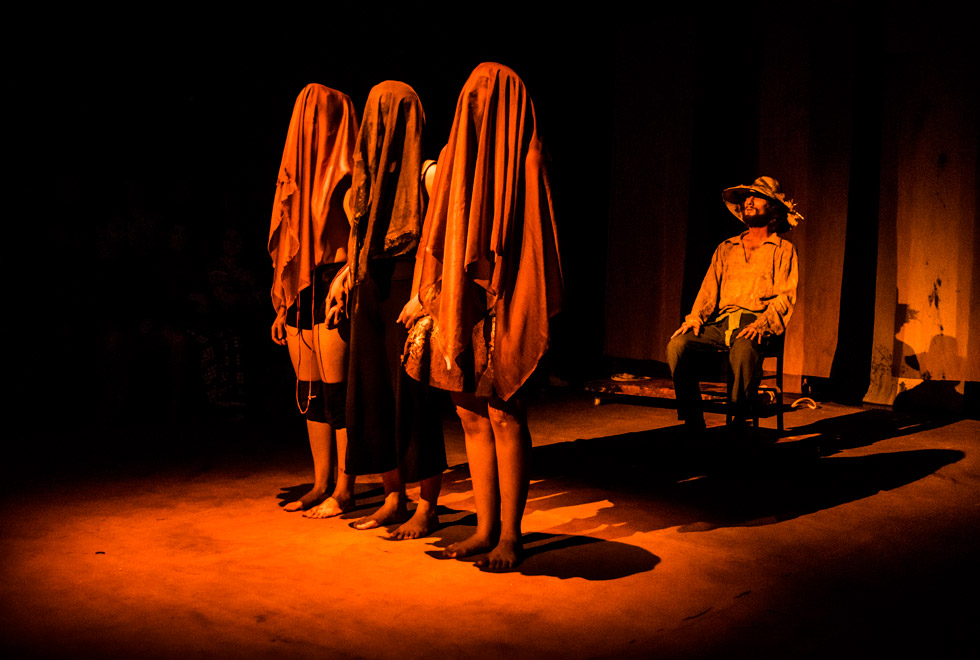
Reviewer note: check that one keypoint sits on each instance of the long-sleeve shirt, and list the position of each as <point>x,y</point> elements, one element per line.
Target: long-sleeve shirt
<point>763,283</point>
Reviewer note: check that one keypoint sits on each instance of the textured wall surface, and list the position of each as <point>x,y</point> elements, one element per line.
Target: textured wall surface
<point>873,133</point>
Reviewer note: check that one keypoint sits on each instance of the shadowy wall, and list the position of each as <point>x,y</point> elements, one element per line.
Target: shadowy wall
<point>148,163</point>
<point>870,124</point>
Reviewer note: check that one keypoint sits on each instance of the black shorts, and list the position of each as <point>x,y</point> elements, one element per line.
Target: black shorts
<point>310,308</point>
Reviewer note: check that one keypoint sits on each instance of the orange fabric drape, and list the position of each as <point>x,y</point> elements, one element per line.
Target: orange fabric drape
<point>386,199</point>
<point>490,231</point>
<point>315,172</point>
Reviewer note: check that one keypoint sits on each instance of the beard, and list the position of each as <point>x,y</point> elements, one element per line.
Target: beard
<point>757,219</point>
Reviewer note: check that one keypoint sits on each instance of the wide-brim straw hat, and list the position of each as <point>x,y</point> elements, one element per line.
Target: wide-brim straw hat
<point>767,187</point>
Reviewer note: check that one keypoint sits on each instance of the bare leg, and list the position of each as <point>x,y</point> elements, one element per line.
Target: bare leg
<point>482,457</point>
<point>300,345</point>
<point>513,444</point>
<point>331,352</point>
<point>395,508</point>
<point>321,436</point>
<point>342,498</point>
<point>425,518</point>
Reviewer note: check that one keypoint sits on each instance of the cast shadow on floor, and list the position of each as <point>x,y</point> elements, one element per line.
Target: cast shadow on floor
<point>369,498</point>
<point>658,479</point>
<point>616,486</point>
<point>556,555</point>
<point>563,556</point>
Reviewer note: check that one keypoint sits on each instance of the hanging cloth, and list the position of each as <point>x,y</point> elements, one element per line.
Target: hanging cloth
<point>386,188</point>
<point>490,243</point>
<point>308,220</point>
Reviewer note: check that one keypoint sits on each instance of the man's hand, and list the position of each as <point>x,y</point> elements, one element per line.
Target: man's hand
<point>749,332</point>
<point>686,327</point>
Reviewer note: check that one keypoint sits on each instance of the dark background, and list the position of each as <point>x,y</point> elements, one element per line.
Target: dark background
<point>149,148</point>
<point>149,153</point>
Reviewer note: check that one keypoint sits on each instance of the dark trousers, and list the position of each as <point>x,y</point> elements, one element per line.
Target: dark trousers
<point>688,354</point>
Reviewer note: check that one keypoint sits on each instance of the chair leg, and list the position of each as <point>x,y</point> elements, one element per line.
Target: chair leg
<point>729,381</point>
<point>779,389</point>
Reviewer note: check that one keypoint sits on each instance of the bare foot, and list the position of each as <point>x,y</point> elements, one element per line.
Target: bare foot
<point>473,545</point>
<point>312,498</point>
<point>422,522</point>
<point>330,507</point>
<point>392,512</point>
<point>507,555</point>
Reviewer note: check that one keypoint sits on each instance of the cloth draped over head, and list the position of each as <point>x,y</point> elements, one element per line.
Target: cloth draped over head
<point>490,243</point>
<point>315,172</point>
<point>387,202</point>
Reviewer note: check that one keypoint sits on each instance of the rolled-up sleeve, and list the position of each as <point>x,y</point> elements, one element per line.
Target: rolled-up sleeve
<point>706,304</point>
<point>764,284</point>
<point>779,308</point>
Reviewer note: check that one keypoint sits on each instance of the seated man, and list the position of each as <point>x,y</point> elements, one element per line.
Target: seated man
<point>746,298</point>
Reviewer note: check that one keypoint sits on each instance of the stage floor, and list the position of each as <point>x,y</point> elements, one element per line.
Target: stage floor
<point>856,535</point>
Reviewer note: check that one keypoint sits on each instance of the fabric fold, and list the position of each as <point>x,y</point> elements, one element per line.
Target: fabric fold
<point>490,247</point>
<point>387,201</point>
<point>309,225</point>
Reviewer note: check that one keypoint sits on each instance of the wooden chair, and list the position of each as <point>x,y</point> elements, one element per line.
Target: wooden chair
<point>772,350</point>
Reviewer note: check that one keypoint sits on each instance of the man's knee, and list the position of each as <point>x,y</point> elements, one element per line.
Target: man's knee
<point>676,348</point>
<point>744,352</point>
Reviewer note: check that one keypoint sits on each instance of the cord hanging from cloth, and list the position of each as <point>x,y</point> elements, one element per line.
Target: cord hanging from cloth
<point>302,341</point>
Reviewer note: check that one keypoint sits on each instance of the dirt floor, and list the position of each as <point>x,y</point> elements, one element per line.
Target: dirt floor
<point>855,535</point>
